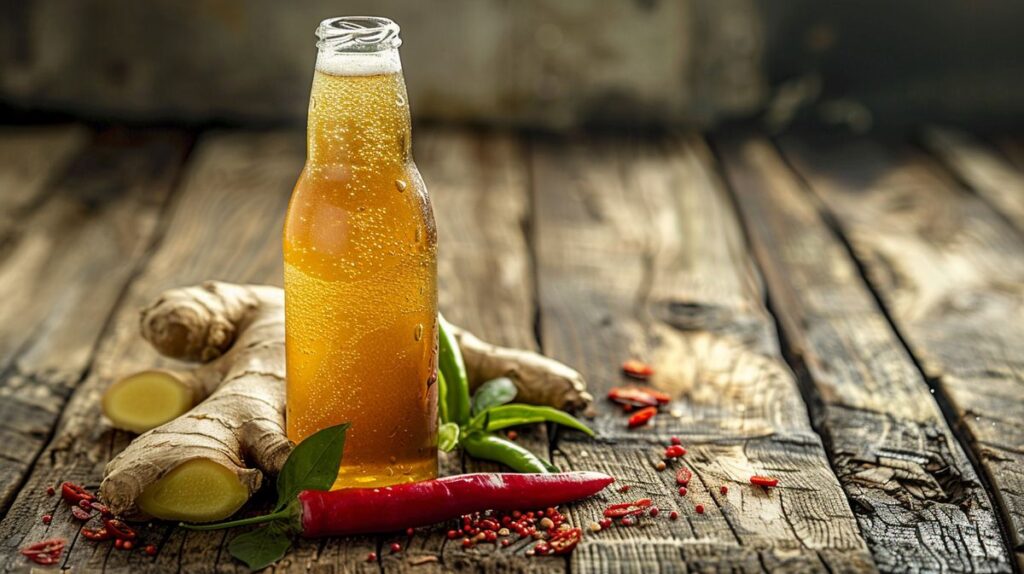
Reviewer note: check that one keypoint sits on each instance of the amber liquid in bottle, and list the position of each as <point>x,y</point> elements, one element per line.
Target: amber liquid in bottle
<point>361,274</point>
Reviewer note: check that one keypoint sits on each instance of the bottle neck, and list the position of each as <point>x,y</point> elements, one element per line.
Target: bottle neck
<point>358,110</point>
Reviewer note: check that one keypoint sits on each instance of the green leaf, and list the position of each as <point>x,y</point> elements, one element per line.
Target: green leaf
<point>312,465</point>
<point>518,414</point>
<point>493,393</point>
<point>450,363</point>
<point>261,547</point>
<point>448,437</point>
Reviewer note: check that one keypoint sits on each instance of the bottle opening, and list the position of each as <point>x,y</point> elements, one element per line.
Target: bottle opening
<point>358,34</point>
<point>358,46</point>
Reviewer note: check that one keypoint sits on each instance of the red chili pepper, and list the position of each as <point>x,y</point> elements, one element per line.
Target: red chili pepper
<point>637,369</point>
<point>119,529</point>
<point>564,541</point>
<point>642,416</point>
<point>95,534</point>
<point>683,476</point>
<point>394,508</point>
<point>46,552</point>
<point>765,481</point>
<point>101,508</point>
<point>627,508</point>
<point>674,451</point>
<point>632,396</point>
<point>75,493</point>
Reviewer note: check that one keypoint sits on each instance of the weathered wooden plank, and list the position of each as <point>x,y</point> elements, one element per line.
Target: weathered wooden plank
<point>66,267</point>
<point>640,255</point>
<point>950,273</point>
<point>919,502</point>
<point>29,158</point>
<point>478,183</point>
<point>225,224</point>
<point>983,170</point>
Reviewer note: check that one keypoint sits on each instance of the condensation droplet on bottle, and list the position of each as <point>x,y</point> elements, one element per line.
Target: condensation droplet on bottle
<point>400,185</point>
<point>400,101</point>
<point>418,332</point>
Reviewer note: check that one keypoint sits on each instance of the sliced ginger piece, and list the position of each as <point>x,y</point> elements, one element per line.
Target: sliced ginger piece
<point>199,490</point>
<point>146,400</point>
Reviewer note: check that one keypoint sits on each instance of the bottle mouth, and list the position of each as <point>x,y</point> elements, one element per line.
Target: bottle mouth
<point>358,34</point>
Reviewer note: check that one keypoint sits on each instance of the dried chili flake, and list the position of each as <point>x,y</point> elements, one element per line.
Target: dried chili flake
<point>564,541</point>
<point>674,451</point>
<point>642,417</point>
<point>627,508</point>
<point>46,552</point>
<point>724,490</point>
<point>675,440</point>
<point>637,369</point>
<point>80,514</point>
<point>699,508</point>
<point>764,481</point>
<point>119,529</point>
<point>633,397</point>
<point>683,476</point>
<point>95,534</point>
<point>75,493</point>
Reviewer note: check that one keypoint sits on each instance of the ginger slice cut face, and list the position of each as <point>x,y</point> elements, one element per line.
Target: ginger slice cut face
<point>146,400</point>
<point>199,490</point>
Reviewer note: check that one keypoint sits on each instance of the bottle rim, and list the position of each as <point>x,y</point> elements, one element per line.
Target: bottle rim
<point>358,34</point>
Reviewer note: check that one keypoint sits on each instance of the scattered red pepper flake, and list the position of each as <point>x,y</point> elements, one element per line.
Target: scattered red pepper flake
<point>410,531</point>
<point>46,552</point>
<point>724,490</point>
<point>119,529</point>
<point>642,417</point>
<point>80,514</point>
<point>605,523</point>
<point>683,476</point>
<point>674,451</point>
<point>371,557</point>
<point>75,493</point>
<point>127,545</point>
<point>47,518</point>
<point>682,491</point>
<point>675,440</point>
<point>673,515</point>
<point>151,549</point>
<point>699,508</point>
<point>564,541</point>
<point>624,488</point>
<point>101,508</point>
<point>50,491</point>
<point>637,369</point>
<point>95,534</point>
<point>395,547</point>
<point>764,481</point>
<point>654,511</point>
<point>627,508</point>
<point>512,435</point>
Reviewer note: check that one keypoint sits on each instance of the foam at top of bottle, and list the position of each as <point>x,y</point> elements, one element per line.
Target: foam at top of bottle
<point>358,63</point>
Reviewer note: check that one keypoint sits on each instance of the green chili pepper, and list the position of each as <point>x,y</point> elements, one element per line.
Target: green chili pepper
<point>489,447</point>
<point>453,369</point>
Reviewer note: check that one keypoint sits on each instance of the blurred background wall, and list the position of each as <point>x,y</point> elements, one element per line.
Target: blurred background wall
<point>549,64</point>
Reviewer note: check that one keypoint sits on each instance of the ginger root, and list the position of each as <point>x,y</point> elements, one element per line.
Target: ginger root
<point>203,427</point>
<point>195,467</point>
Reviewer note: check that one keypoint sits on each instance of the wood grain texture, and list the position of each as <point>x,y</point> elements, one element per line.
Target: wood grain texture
<point>950,273</point>
<point>982,169</point>
<point>640,255</point>
<point>64,269</point>
<point>918,500</point>
<point>29,158</point>
<point>225,224</point>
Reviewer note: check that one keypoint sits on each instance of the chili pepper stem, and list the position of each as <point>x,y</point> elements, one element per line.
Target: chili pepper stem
<point>287,512</point>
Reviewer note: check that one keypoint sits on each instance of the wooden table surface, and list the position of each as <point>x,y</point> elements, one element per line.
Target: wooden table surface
<point>844,313</point>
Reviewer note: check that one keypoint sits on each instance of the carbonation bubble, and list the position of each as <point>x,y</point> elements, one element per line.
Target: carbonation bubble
<point>400,185</point>
<point>418,333</point>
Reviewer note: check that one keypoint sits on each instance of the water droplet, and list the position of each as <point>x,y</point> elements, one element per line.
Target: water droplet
<point>400,101</point>
<point>400,185</point>
<point>418,333</point>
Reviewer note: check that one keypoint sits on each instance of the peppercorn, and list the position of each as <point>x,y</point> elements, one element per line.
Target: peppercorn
<point>653,511</point>
<point>682,491</point>
<point>371,557</point>
<point>660,466</point>
<point>673,515</point>
<point>699,508</point>
<point>724,490</point>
